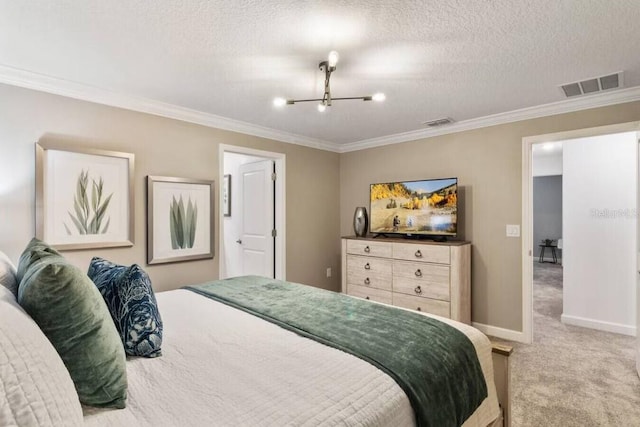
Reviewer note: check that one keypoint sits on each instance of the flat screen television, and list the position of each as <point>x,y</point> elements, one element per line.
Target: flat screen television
<point>415,208</point>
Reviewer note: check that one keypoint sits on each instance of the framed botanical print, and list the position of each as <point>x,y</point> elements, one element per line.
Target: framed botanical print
<point>84,197</point>
<point>180,220</point>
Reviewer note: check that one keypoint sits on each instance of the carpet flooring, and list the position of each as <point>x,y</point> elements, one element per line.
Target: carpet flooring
<point>571,376</point>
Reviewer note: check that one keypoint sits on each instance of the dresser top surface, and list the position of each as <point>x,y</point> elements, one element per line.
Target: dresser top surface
<point>409,240</point>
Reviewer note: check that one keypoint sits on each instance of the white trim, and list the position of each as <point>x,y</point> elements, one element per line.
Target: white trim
<point>30,80</point>
<point>527,245</point>
<point>637,346</point>
<point>527,206</point>
<point>495,331</point>
<point>27,79</point>
<point>566,106</point>
<point>280,202</point>
<point>600,325</point>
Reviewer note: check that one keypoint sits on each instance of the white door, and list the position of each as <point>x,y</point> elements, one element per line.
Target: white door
<point>257,218</point>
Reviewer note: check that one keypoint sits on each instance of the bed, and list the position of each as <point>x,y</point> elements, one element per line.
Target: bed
<point>225,366</point>
<point>248,371</point>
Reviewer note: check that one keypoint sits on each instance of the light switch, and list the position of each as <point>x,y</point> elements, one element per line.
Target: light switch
<point>513,230</point>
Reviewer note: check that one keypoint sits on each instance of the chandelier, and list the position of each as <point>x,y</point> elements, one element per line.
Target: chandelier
<point>328,67</point>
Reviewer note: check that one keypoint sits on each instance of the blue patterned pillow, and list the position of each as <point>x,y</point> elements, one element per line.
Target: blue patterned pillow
<point>129,296</point>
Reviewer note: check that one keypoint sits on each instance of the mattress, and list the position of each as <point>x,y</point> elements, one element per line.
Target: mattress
<point>224,367</point>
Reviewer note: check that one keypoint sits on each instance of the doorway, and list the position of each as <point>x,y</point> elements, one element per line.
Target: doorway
<point>585,196</point>
<point>547,174</point>
<point>252,219</point>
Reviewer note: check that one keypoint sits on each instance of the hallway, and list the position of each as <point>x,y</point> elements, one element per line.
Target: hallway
<point>571,376</point>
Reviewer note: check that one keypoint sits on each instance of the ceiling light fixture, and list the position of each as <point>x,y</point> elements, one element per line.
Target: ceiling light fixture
<point>328,66</point>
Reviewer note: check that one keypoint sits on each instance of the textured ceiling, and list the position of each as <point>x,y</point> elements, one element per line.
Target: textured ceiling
<point>457,58</point>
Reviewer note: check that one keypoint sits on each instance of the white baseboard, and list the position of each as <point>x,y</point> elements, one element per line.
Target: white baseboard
<point>505,334</point>
<point>600,325</point>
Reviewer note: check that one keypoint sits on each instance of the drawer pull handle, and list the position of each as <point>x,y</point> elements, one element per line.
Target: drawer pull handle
<point>418,254</point>
<point>366,298</point>
<point>367,281</point>
<point>418,290</point>
<point>419,309</point>
<point>418,273</point>
<point>367,249</point>
<point>367,266</point>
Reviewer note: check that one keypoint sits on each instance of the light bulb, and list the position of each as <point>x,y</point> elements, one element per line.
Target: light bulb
<point>379,97</point>
<point>279,102</point>
<point>333,58</point>
<point>322,107</point>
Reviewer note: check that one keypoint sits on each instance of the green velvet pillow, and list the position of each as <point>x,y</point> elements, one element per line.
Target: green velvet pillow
<point>73,315</point>
<point>35,250</point>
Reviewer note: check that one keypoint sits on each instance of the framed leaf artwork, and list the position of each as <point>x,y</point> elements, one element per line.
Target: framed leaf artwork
<point>84,197</point>
<point>179,219</point>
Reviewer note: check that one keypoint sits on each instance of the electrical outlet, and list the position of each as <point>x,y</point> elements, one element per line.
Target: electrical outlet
<point>513,230</point>
<point>328,272</point>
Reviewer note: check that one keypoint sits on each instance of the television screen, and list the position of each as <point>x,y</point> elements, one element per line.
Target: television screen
<point>428,207</point>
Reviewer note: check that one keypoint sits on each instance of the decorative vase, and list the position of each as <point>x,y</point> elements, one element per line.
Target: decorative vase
<point>361,221</point>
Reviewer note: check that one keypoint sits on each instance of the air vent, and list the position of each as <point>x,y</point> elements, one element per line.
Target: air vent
<point>611,82</point>
<point>438,122</point>
<point>589,86</point>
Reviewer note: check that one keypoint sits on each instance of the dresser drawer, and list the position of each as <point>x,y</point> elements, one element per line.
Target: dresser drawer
<point>369,271</point>
<point>421,279</point>
<point>417,252</point>
<point>429,276</point>
<point>369,248</point>
<point>372,294</point>
<point>426,305</point>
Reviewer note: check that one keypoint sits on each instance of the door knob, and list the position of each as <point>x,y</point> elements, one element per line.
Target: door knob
<point>239,241</point>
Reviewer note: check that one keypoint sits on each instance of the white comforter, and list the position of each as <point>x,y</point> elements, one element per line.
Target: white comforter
<point>223,367</point>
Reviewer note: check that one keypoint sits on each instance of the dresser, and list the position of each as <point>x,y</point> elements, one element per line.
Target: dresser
<point>421,275</point>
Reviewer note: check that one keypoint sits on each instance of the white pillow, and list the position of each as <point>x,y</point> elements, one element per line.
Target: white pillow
<point>35,386</point>
<point>8,274</point>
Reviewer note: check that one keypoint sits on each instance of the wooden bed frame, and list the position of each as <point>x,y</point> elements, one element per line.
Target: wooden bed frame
<point>502,378</point>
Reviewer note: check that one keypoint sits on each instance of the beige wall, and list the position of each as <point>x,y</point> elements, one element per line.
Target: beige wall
<point>162,147</point>
<point>487,163</point>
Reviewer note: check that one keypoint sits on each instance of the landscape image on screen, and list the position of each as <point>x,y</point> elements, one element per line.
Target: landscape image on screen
<point>415,207</point>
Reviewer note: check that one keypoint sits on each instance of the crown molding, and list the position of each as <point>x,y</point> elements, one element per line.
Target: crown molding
<point>620,96</point>
<point>30,80</point>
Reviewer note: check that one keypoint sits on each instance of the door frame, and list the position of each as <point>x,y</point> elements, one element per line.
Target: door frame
<point>279,160</point>
<point>527,207</point>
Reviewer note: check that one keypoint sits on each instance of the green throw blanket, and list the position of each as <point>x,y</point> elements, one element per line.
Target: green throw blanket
<point>435,364</point>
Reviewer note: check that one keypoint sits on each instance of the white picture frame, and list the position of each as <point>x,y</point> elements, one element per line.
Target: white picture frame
<point>180,219</point>
<point>84,197</point>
